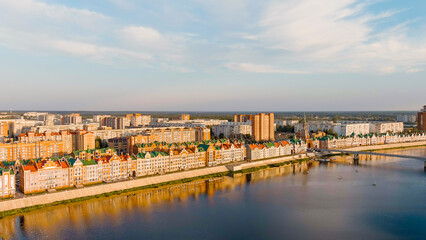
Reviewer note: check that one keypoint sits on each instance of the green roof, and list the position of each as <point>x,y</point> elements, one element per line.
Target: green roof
<point>8,163</point>
<point>203,146</point>
<point>71,161</point>
<point>89,162</point>
<point>269,145</point>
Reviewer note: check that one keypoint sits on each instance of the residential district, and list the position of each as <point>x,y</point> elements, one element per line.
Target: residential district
<point>44,152</point>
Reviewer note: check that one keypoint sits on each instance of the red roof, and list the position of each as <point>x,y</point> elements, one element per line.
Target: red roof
<point>30,168</point>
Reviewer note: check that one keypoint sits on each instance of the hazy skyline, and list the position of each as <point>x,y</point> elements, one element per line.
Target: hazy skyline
<point>206,55</point>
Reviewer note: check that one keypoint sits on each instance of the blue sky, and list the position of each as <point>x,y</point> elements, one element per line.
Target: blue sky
<point>213,55</point>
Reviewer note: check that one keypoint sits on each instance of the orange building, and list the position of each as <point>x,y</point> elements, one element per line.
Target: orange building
<point>242,118</point>
<point>83,140</point>
<point>263,127</point>
<point>4,129</point>
<point>23,151</point>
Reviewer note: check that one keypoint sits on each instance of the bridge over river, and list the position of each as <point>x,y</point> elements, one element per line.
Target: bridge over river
<point>357,153</point>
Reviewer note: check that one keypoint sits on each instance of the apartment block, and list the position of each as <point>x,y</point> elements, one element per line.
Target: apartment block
<point>23,151</point>
<point>4,129</point>
<point>384,127</point>
<point>138,119</point>
<point>263,128</point>
<point>232,129</point>
<point>99,118</point>
<point>83,140</point>
<point>73,118</point>
<point>243,118</point>
<point>116,122</point>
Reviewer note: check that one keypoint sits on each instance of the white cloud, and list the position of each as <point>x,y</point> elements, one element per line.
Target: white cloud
<point>57,29</point>
<point>144,37</point>
<point>259,68</point>
<point>338,36</point>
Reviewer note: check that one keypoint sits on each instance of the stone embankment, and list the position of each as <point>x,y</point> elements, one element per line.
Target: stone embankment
<point>60,196</point>
<point>252,164</point>
<point>388,146</point>
<point>49,198</point>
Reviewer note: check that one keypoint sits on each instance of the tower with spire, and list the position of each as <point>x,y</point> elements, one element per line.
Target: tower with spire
<point>305,133</point>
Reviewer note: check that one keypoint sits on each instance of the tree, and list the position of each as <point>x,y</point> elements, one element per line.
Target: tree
<point>98,143</point>
<point>330,132</point>
<point>336,118</point>
<point>287,129</point>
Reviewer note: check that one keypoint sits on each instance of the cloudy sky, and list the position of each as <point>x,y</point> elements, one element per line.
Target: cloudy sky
<point>213,55</point>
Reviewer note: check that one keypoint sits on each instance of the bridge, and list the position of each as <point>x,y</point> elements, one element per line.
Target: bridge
<point>357,153</point>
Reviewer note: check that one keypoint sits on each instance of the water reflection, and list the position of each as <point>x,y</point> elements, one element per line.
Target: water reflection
<point>273,203</point>
<point>82,216</point>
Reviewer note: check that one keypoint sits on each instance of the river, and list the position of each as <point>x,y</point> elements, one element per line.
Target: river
<point>381,198</point>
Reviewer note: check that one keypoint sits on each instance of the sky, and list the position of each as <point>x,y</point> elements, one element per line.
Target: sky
<point>213,55</point>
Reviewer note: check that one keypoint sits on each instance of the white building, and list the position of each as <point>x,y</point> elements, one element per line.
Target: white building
<point>98,118</point>
<point>384,127</point>
<point>286,122</point>
<point>344,128</point>
<point>315,126</point>
<point>356,129</point>
<point>231,129</point>
<point>406,118</point>
<point>188,123</point>
<point>140,120</point>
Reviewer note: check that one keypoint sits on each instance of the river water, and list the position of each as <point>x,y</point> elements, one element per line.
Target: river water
<point>381,198</point>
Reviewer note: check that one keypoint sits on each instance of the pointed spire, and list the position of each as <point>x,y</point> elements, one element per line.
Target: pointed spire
<point>304,119</point>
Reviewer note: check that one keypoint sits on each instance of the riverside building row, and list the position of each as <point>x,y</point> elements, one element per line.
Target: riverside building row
<point>347,128</point>
<point>330,142</point>
<point>275,149</point>
<point>104,165</point>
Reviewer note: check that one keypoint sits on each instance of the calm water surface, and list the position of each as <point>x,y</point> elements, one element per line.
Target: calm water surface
<point>333,201</point>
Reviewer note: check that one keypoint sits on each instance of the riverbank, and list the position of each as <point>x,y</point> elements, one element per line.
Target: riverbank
<point>29,203</point>
<point>15,206</point>
<point>388,146</point>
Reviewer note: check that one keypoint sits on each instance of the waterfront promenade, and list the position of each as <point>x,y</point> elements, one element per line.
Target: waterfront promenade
<point>49,198</point>
<point>387,146</point>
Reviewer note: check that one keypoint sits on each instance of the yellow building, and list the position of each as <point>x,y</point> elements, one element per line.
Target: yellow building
<point>7,183</point>
<point>23,151</point>
<point>44,175</point>
<point>4,129</point>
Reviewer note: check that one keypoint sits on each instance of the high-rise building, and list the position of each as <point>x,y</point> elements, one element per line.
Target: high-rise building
<point>73,118</point>
<point>138,119</point>
<point>99,118</point>
<point>242,118</point>
<point>116,122</point>
<point>263,127</point>
<point>421,119</point>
